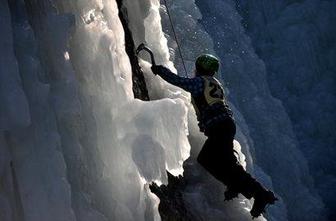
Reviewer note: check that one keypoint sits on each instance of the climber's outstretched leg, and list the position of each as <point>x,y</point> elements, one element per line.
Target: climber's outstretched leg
<point>245,184</point>
<point>218,158</point>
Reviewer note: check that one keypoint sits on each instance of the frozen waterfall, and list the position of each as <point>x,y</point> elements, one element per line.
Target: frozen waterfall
<point>75,142</point>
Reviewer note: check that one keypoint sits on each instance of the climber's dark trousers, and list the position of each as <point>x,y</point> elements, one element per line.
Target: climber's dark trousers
<point>218,158</point>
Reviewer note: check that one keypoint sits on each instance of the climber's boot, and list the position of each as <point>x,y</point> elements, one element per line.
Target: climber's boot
<point>261,200</point>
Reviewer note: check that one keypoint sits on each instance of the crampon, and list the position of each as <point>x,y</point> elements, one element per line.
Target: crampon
<point>261,201</point>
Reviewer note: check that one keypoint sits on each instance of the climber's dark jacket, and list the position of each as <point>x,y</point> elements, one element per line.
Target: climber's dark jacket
<point>207,96</point>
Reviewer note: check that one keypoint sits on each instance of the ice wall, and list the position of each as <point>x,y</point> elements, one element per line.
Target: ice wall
<point>297,43</point>
<point>85,148</point>
<point>30,144</point>
<point>74,143</point>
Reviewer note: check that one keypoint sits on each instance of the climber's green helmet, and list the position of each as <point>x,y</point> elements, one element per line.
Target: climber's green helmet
<point>207,64</point>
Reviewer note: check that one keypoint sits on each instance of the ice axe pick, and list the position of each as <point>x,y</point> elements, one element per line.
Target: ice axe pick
<point>143,47</point>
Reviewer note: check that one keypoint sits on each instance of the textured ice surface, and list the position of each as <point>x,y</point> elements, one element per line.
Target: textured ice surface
<point>14,110</point>
<point>297,43</point>
<point>90,148</point>
<point>82,148</point>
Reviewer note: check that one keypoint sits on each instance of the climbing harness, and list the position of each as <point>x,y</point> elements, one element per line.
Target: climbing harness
<point>175,36</point>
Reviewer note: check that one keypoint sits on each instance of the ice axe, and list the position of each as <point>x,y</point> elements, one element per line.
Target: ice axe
<point>142,47</point>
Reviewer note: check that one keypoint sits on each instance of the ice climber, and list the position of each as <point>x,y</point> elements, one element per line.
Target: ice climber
<point>216,122</point>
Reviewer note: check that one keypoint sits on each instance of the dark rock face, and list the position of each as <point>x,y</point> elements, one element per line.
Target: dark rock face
<point>172,207</point>
<point>139,84</point>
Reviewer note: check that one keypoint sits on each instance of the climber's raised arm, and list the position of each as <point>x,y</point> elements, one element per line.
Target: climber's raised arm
<point>192,85</point>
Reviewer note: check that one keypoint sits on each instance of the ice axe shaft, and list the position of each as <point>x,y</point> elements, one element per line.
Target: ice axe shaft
<point>143,47</point>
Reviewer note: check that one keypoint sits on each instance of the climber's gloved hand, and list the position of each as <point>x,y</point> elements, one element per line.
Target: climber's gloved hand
<point>156,69</point>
